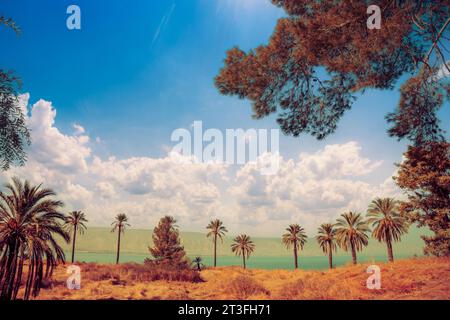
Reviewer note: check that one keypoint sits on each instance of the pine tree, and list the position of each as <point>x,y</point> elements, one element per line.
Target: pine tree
<point>167,249</point>
<point>424,176</point>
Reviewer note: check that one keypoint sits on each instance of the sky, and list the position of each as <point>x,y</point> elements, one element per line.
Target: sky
<point>103,101</point>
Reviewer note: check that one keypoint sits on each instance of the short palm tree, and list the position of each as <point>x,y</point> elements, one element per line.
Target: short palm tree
<point>119,225</point>
<point>326,237</point>
<point>388,225</point>
<point>198,263</point>
<point>243,246</point>
<point>216,230</point>
<point>294,237</point>
<point>30,222</point>
<point>75,223</point>
<point>351,232</point>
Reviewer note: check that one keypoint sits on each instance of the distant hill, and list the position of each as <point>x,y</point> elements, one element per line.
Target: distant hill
<point>137,241</point>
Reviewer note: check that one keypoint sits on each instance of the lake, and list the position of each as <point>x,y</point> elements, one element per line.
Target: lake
<point>257,262</point>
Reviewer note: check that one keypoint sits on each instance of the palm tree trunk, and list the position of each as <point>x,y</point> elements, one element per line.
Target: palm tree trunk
<point>73,243</point>
<point>330,256</point>
<point>19,276</point>
<point>390,253</point>
<point>7,291</point>
<point>354,254</point>
<point>118,247</point>
<point>295,256</point>
<point>243,257</point>
<point>215,250</point>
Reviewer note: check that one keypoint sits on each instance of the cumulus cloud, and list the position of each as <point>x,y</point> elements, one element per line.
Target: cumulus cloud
<point>311,189</point>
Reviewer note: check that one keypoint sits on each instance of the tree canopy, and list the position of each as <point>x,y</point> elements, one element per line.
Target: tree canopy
<point>14,135</point>
<point>167,249</point>
<point>425,176</point>
<point>322,53</point>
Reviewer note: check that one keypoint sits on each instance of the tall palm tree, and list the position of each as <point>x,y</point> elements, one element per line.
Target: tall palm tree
<point>244,246</point>
<point>119,224</point>
<point>351,232</point>
<point>295,237</point>
<point>75,223</point>
<point>326,237</point>
<point>388,225</point>
<point>29,223</point>
<point>217,230</point>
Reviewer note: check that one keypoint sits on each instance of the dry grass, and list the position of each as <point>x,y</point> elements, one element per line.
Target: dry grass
<point>421,278</point>
<point>244,287</point>
<point>133,272</point>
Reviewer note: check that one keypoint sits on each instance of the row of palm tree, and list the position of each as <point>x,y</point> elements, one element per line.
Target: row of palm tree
<point>350,232</point>
<point>31,220</point>
<point>74,223</point>
<point>30,224</point>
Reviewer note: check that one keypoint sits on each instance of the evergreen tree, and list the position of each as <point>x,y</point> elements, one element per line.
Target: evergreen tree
<point>167,249</point>
<point>424,176</point>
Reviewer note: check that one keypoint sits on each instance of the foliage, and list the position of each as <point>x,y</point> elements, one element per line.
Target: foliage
<point>197,263</point>
<point>322,53</point>
<point>167,249</point>
<point>326,237</point>
<point>388,225</point>
<point>351,233</point>
<point>137,273</point>
<point>243,287</point>
<point>75,223</point>
<point>294,237</point>
<point>14,134</point>
<point>29,223</point>
<point>120,223</point>
<point>424,176</point>
<point>216,230</point>
<point>416,116</point>
<point>243,246</point>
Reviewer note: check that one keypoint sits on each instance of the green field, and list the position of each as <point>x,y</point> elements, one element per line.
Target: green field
<point>99,245</point>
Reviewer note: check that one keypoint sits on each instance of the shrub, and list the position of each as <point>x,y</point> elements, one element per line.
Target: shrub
<point>133,272</point>
<point>243,287</point>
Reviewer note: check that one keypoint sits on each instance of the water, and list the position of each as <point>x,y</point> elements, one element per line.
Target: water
<point>257,262</point>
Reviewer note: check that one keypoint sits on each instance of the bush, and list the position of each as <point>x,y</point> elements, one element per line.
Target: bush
<point>243,287</point>
<point>309,288</point>
<point>133,272</point>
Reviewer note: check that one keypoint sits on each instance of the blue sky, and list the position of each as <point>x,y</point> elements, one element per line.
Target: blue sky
<point>140,69</point>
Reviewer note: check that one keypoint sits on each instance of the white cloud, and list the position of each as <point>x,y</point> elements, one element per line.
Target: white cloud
<point>56,150</point>
<point>316,187</point>
<point>78,129</point>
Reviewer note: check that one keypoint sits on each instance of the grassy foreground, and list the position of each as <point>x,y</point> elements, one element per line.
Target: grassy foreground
<point>418,278</point>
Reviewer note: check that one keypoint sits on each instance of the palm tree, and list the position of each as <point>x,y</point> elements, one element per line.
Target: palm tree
<point>244,246</point>
<point>197,262</point>
<point>351,232</point>
<point>29,222</point>
<point>326,237</point>
<point>75,223</point>
<point>388,225</point>
<point>295,237</point>
<point>217,230</point>
<point>119,224</point>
